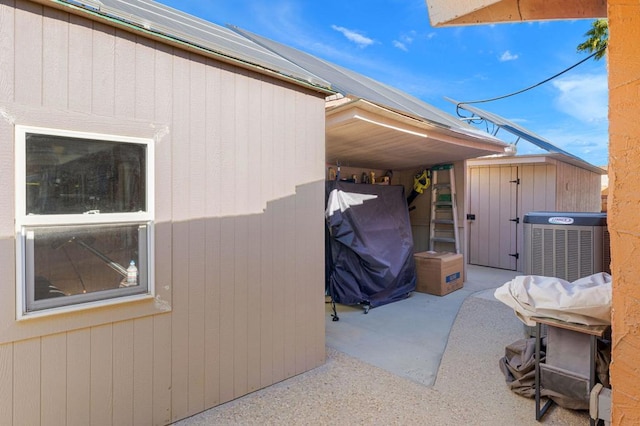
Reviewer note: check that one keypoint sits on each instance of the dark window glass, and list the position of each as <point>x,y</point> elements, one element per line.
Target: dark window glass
<point>84,263</point>
<point>70,175</point>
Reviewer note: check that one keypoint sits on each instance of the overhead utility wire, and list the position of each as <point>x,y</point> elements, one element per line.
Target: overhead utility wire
<point>530,87</point>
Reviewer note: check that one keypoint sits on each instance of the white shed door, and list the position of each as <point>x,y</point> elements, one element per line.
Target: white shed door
<point>493,216</point>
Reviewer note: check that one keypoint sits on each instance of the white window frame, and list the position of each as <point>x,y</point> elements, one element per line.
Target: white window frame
<point>23,221</point>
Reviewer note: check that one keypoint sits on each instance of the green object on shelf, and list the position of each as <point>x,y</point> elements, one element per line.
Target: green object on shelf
<point>444,197</point>
<point>442,167</point>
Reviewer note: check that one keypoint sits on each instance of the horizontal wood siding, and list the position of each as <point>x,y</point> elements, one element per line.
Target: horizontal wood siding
<point>239,239</point>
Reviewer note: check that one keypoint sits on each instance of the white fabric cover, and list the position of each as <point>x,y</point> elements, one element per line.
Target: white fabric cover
<point>585,301</point>
<point>341,200</point>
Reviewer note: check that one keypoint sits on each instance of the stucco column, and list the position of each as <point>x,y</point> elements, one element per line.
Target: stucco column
<point>624,203</point>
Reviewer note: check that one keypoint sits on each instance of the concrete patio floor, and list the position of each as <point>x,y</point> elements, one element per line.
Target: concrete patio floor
<point>425,360</point>
<point>408,338</point>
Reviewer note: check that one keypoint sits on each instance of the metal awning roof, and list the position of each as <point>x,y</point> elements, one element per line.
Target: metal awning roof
<point>376,125</point>
<point>360,133</point>
<point>514,129</point>
<point>351,83</point>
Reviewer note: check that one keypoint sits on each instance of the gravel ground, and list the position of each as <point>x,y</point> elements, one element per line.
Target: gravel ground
<point>469,389</point>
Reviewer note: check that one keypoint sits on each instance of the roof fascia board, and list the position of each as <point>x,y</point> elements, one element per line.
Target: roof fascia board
<point>574,161</point>
<point>520,159</point>
<point>551,158</point>
<point>88,10</point>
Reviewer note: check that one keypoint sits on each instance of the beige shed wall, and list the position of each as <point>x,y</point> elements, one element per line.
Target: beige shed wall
<point>546,185</point>
<point>577,189</point>
<point>239,237</point>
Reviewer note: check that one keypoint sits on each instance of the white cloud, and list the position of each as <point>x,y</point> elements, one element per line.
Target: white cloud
<point>408,38</point>
<point>404,40</point>
<point>400,45</point>
<point>508,56</point>
<point>354,36</point>
<point>584,97</point>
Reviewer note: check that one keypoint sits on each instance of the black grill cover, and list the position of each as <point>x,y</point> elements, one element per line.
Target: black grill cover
<point>369,244</point>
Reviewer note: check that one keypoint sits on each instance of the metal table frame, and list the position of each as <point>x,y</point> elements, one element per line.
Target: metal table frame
<point>594,331</point>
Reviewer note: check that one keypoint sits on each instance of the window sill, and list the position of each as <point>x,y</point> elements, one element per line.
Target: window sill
<point>83,307</point>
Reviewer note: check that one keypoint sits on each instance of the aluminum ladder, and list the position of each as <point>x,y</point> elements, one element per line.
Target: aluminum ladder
<point>444,211</point>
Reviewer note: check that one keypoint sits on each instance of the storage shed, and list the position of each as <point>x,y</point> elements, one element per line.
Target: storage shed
<point>500,191</point>
<point>131,131</point>
<point>161,227</point>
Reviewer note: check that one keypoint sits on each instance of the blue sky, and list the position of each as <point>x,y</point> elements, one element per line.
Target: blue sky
<point>393,42</point>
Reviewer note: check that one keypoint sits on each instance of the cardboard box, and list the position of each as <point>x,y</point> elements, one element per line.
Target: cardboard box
<point>438,273</point>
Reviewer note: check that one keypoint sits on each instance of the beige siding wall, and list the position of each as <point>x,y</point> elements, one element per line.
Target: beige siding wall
<point>578,190</point>
<point>239,237</point>
<point>544,186</point>
<point>537,190</point>
<point>492,234</point>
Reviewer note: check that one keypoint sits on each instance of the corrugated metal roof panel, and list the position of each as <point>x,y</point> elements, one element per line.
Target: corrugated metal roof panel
<point>351,83</point>
<point>261,52</point>
<point>181,26</point>
<point>513,128</point>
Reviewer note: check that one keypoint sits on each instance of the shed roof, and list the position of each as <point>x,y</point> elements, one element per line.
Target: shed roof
<point>549,158</point>
<point>171,24</point>
<point>448,139</point>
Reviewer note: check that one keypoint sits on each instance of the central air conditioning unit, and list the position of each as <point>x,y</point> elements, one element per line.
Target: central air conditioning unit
<point>566,245</point>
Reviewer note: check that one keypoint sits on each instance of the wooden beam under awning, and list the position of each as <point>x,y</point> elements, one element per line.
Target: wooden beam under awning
<point>362,134</point>
<point>473,12</point>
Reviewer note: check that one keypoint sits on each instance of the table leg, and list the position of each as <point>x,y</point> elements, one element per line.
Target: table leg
<point>538,384</point>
